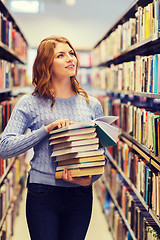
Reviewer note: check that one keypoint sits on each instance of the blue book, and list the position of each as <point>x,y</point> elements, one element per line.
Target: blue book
<point>155,81</point>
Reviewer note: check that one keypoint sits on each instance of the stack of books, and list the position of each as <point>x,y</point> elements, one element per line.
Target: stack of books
<point>76,147</point>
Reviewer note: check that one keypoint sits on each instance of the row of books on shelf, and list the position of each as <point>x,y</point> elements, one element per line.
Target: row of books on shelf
<point>12,75</point>
<point>10,188</point>
<point>7,228</point>
<point>84,58</point>
<point>116,224</point>
<point>143,25</point>
<point>6,107</point>
<point>145,179</point>
<point>3,165</point>
<point>141,123</point>
<point>141,75</point>
<point>126,215</point>
<point>11,37</point>
<point>76,147</point>
<point>84,76</point>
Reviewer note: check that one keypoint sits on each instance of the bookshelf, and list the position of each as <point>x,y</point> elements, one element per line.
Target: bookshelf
<point>13,58</point>
<point>84,72</point>
<point>126,66</point>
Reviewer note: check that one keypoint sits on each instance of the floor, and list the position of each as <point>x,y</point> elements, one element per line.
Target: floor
<point>98,228</point>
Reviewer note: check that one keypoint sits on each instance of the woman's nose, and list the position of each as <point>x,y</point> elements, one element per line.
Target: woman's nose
<point>69,57</point>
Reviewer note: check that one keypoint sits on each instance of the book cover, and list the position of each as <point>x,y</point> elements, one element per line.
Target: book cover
<point>91,153</point>
<point>80,165</point>
<point>158,130</point>
<point>75,149</point>
<point>155,73</point>
<point>151,76</point>
<point>81,160</point>
<point>75,126</point>
<point>79,172</point>
<point>71,132</point>
<point>83,142</point>
<point>107,134</point>
<point>158,72</point>
<point>155,133</point>
<point>156,123</point>
<point>72,138</point>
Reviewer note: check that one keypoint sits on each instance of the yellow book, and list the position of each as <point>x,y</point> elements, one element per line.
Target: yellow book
<point>151,19</point>
<point>79,172</point>
<point>144,23</point>
<point>81,160</point>
<point>147,21</point>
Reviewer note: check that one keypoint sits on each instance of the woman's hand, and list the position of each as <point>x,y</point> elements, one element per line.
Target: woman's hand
<point>58,124</point>
<point>83,181</point>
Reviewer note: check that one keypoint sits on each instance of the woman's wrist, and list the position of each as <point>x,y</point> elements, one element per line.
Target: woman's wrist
<point>47,129</point>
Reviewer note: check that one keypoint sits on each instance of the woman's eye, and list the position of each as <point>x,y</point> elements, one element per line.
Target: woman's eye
<point>72,53</point>
<point>60,55</point>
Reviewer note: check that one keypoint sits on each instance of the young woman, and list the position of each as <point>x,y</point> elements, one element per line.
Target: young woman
<point>55,209</point>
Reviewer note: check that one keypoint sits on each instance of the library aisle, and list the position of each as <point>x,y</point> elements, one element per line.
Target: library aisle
<point>98,228</point>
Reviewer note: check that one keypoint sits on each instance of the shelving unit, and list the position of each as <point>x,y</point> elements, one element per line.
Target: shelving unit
<point>84,72</point>
<point>120,47</point>
<point>13,57</point>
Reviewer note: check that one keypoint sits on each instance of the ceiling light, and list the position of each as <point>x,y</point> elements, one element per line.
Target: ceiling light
<point>70,2</point>
<point>25,6</point>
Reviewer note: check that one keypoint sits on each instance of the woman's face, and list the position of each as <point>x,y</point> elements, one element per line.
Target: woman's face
<point>65,61</point>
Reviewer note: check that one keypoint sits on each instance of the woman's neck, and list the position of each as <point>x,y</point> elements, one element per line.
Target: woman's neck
<point>63,89</point>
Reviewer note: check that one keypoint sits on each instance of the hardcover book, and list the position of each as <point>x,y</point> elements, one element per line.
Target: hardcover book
<point>106,133</point>
<point>78,172</point>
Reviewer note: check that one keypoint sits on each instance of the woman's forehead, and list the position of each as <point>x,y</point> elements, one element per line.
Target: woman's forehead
<point>62,47</point>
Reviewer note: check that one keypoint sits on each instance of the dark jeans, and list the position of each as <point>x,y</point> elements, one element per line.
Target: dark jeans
<point>58,213</point>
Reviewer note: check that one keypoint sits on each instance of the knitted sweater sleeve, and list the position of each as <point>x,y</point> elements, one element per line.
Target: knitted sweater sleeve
<point>15,140</point>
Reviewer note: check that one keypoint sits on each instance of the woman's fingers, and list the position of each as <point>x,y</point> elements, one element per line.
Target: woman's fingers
<point>83,181</point>
<point>58,124</point>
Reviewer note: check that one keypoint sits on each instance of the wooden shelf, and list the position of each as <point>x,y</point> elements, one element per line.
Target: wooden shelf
<point>132,93</point>
<point>142,150</point>
<point>5,11</point>
<point>9,54</point>
<point>129,13</point>
<point>5,90</point>
<point>133,188</point>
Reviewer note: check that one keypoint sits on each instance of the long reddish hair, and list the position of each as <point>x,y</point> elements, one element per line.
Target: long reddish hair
<point>42,69</point>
